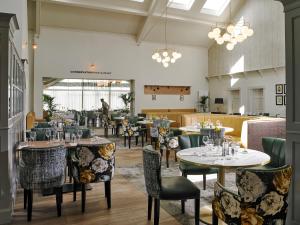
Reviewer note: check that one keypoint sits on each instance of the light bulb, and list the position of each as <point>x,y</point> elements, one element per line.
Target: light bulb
<point>230,46</point>
<point>158,59</point>
<point>240,38</point>
<point>211,35</point>
<point>250,32</point>
<point>220,41</point>
<point>173,60</point>
<point>165,54</point>
<point>244,29</point>
<point>155,56</point>
<point>167,59</point>
<point>226,37</point>
<point>233,41</point>
<point>217,31</point>
<point>230,29</point>
<point>179,55</point>
<point>166,65</point>
<point>174,54</point>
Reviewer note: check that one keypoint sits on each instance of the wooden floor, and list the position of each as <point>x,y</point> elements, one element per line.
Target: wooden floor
<point>129,205</point>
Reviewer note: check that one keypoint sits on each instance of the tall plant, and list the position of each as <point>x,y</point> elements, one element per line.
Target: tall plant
<point>48,101</point>
<point>127,99</point>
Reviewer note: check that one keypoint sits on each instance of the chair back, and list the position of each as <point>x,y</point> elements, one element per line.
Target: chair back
<point>266,191</point>
<point>43,125</point>
<point>275,148</point>
<point>94,163</point>
<point>42,168</point>
<point>41,133</point>
<point>30,119</point>
<point>190,141</point>
<point>152,170</point>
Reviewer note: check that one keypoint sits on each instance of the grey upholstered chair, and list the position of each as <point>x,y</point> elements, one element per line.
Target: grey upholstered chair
<point>166,188</point>
<point>42,168</point>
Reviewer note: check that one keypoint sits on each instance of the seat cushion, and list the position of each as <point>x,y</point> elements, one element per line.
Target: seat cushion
<point>177,188</point>
<point>191,169</point>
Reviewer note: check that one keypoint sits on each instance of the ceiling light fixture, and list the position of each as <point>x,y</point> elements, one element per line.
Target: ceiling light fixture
<point>231,34</point>
<point>166,55</point>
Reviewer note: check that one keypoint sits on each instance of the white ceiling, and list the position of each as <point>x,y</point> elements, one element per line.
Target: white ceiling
<point>143,20</point>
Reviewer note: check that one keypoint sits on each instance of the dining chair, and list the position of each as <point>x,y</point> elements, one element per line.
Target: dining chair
<point>262,197</point>
<point>93,164</point>
<point>41,133</point>
<point>130,130</point>
<point>42,168</point>
<point>192,141</point>
<point>275,148</point>
<point>86,133</point>
<point>166,188</point>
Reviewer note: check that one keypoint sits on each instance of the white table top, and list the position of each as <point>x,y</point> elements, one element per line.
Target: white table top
<point>197,129</point>
<point>119,118</point>
<point>151,121</point>
<point>202,156</point>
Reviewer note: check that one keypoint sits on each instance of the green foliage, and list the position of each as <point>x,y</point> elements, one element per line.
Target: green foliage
<point>48,101</point>
<point>127,98</point>
<point>203,100</point>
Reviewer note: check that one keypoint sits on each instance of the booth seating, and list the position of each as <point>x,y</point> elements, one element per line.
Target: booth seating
<point>31,119</point>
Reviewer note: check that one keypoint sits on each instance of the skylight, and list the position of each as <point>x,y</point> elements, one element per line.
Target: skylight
<point>181,4</point>
<point>137,0</point>
<point>214,7</point>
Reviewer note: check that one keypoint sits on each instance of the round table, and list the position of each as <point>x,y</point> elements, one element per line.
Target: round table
<point>145,122</point>
<point>203,157</point>
<point>197,129</point>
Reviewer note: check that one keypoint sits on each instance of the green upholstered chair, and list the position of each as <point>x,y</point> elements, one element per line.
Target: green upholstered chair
<point>261,199</point>
<point>166,188</point>
<point>191,141</point>
<point>86,133</point>
<point>275,148</point>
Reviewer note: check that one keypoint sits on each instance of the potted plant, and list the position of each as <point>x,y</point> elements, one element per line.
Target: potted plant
<point>49,105</point>
<point>127,99</point>
<point>203,102</point>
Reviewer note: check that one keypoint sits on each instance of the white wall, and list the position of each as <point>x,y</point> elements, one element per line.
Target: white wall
<point>63,50</point>
<point>264,51</point>
<point>266,79</point>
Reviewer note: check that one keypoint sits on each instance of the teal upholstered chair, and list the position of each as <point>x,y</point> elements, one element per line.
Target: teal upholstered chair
<point>191,141</point>
<point>261,199</point>
<point>86,133</point>
<point>275,148</point>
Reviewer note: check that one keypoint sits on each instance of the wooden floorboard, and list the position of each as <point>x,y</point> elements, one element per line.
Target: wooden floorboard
<point>129,204</point>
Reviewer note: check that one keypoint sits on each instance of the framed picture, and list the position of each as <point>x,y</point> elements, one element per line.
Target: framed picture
<point>279,88</point>
<point>284,100</point>
<point>284,89</point>
<point>279,99</point>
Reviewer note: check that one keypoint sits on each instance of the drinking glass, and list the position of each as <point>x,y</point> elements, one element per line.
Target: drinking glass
<point>48,134</point>
<point>79,134</point>
<point>32,136</point>
<point>205,140</point>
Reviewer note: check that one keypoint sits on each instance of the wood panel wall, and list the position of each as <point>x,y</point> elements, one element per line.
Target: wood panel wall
<point>166,90</point>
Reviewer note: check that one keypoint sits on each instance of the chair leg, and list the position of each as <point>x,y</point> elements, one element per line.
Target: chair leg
<point>136,140</point>
<point>142,139</point>
<point>108,193</point>
<point>204,181</point>
<point>156,211</point>
<point>83,197</point>
<point>74,190</point>
<point>58,193</point>
<point>197,211</point>
<point>129,142</point>
<point>29,207</point>
<point>215,220</point>
<point>175,156</point>
<point>25,198</point>
<point>182,206</point>
<point>149,207</point>
<point>124,141</point>
<point>184,174</point>
<point>167,157</point>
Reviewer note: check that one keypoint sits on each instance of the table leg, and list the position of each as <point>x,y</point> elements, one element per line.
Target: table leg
<point>221,176</point>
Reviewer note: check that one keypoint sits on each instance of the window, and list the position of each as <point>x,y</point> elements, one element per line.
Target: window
<point>84,94</point>
<point>181,4</point>
<point>256,101</point>
<point>214,7</point>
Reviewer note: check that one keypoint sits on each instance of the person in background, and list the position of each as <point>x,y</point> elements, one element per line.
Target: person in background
<point>105,118</point>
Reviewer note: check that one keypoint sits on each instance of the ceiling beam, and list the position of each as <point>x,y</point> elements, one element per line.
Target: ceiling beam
<point>145,27</point>
<point>100,6</point>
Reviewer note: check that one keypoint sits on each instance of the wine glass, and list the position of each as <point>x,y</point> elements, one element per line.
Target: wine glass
<point>32,136</point>
<point>48,134</point>
<point>79,134</point>
<point>205,140</point>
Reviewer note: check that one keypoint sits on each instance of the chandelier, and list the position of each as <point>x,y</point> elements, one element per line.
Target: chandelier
<point>231,34</point>
<point>166,55</point>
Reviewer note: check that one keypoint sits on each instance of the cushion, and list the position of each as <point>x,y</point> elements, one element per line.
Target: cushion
<point>177,188</point>
<point>191,169</point>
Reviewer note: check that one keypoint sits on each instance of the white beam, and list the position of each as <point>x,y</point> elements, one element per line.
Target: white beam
<point>37,18</point>
<point>145,27</point>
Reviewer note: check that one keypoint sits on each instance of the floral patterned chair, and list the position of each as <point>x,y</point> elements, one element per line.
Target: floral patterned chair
<point>42,168</point>
<point>93,164</point>
<point>130,130</point>
<point>261,199</point>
